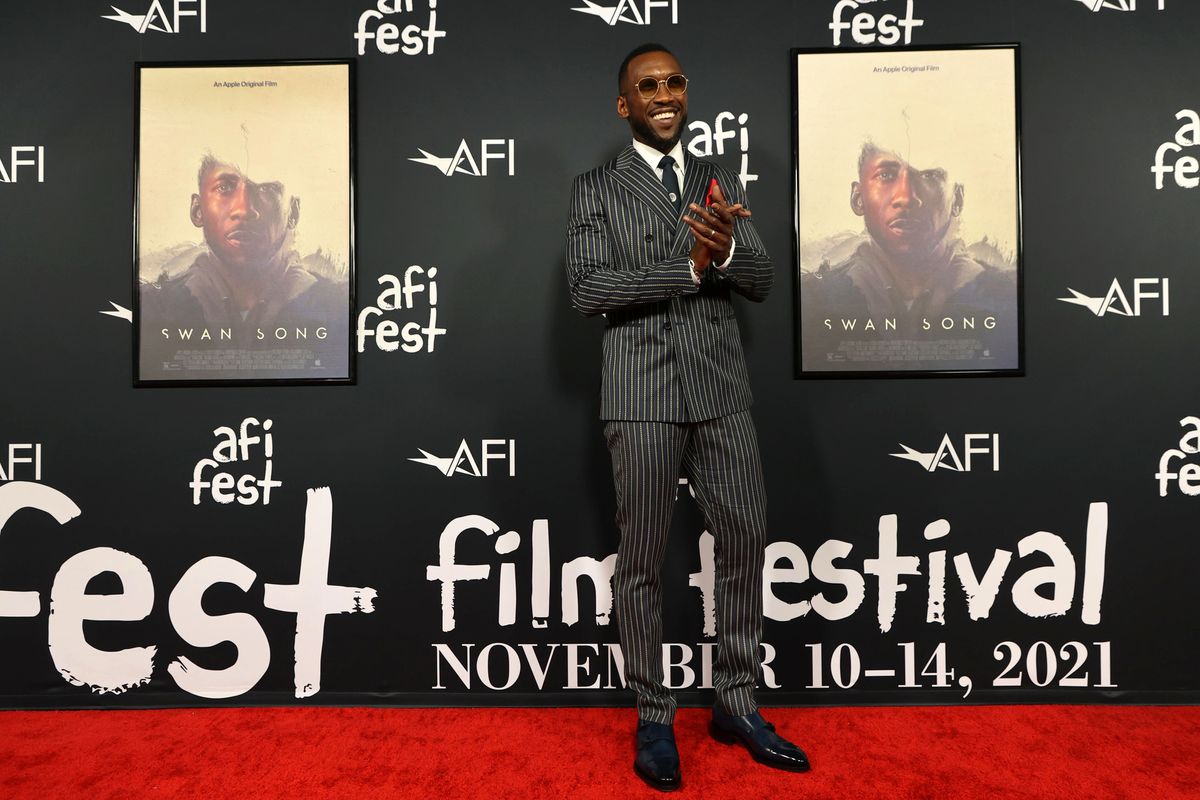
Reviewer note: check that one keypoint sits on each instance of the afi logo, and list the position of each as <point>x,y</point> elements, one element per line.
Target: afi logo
<point>15,460</point>
<point>413,39</point>
<point>156,19</point>
<point>464,161</point>
<point>17,159</point>
<point>400,295</point>
<point>1116,301</point>
<point>1116,5</point>
<point>865,29</point>
<point>710,140</point>
<point>234,446</point>
<point>1188,476</point>
<point>631,11</point>
<point>1185,168</point>
<point>463,462</point>
<point>947,457</point>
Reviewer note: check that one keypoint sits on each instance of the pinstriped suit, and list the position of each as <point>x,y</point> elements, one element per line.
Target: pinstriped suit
<point>675,395</point>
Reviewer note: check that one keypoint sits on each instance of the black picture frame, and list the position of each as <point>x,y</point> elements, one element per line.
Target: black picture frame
<point>897,268</point>
<point>237,308</point>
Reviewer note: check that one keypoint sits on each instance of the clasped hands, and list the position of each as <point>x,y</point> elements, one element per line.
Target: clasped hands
<point>712,230</point>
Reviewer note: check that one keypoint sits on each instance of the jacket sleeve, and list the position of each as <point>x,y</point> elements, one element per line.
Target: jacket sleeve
<point>750,273</point>
<point>596,284</point>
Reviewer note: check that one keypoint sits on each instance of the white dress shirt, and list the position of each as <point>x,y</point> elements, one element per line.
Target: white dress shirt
<point>652,157</point>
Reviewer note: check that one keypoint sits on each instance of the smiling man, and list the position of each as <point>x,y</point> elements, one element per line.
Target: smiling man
<point>250,290</point>
<point>646,251</point>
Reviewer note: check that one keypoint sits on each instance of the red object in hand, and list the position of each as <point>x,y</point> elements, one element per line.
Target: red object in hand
<point>712,184</point>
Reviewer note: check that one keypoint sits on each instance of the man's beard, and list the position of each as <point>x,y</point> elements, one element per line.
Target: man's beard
<point>647,134</point>
<point>924,255</point>
<point>263,263</point>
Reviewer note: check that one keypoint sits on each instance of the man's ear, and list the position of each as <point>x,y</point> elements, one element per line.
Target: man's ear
<point>957,206</point>
<point>856,200</point>
<point>622,107</point>
<point>294,214</point>
<point>196,215</point>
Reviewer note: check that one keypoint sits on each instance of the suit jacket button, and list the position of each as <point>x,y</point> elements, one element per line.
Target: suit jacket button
<point>649,237</point>
<point>667,325</point>
<point>716,320</point>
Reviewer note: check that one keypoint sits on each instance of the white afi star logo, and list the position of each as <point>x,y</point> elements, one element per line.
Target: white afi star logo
<point>156,18</point>
<point>629,11</point>
<point>1116,5</point>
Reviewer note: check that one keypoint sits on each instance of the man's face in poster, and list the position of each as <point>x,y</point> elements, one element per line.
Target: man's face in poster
<point>909,211</point>
<point>246,223</point>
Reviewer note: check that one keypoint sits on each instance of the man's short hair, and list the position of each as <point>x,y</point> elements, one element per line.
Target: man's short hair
<point>869,150</point>
<point>208,162</point>
<point>641,49</point>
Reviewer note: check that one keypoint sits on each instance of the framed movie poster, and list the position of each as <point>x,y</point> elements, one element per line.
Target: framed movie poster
<point>244,223</point>
<point>908,211</point>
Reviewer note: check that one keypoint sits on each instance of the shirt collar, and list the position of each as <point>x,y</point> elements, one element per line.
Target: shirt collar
<point>652,156</point>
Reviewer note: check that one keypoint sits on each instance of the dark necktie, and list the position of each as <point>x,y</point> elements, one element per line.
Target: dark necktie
<point>671,181</point>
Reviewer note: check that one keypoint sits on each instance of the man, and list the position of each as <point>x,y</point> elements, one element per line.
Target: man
<point>250,290</point>
<point>675,396</point>
<point>914,271</point>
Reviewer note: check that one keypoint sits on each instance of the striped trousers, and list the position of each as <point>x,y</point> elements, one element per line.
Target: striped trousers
<point>721,460</point>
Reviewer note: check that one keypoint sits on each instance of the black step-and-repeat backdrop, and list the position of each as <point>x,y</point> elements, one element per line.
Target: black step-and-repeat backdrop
<point>441,532</point>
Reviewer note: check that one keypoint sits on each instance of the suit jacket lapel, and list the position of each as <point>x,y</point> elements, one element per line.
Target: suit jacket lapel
<point>635,174</point>
<point>696,175</point>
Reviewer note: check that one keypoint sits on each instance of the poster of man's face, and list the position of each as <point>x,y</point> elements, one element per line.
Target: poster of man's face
<point>907,211</point>
<point>234,282</point>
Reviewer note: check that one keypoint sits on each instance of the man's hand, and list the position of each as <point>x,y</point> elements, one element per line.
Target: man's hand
<point>712,229</point>
<point>701,258</point>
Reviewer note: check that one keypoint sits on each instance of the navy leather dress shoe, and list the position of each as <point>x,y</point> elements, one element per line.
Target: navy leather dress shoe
<point>657,761</point>
<point>760,739</point>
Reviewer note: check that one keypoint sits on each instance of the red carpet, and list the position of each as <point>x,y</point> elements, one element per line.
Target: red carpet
<point>955,752</point>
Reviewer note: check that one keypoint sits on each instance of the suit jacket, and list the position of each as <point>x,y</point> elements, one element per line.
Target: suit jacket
<point>672,349</point>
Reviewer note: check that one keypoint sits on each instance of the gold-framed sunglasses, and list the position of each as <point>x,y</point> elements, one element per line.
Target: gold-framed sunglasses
<point>676,85</point>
